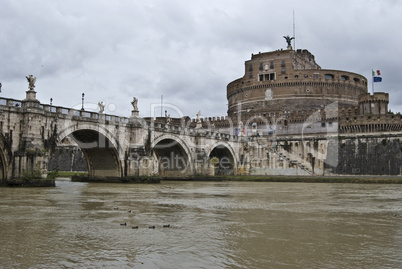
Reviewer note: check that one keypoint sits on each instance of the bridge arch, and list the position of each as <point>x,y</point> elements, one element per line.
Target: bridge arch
<point>101,149</point>
<point>172,156</point>
<point>227,162</point>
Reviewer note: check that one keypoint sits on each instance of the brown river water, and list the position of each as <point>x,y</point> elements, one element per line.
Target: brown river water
<point>212,225</point>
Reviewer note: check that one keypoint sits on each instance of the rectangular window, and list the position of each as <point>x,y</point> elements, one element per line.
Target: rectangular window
<point>316,76</point>
<point>250,75</point>
<point>266,77</point>
<point>250,68</point>
<point>283,70</point>
<point>283,63</point>
<point>261,67</point>
<point>271,65</point>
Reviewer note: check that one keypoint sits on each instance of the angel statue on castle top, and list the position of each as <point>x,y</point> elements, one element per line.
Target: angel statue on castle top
<point>289,40</point>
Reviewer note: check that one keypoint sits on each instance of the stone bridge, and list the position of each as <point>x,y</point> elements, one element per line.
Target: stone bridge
<point>113,146</point>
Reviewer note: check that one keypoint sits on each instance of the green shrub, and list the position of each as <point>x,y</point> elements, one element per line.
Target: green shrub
<point>32,175</point>
<point>52,174</point>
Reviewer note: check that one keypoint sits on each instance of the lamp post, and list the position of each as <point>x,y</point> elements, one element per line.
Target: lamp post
<point>83,95</point>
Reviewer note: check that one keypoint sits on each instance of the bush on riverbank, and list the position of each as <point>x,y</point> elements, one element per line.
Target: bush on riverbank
<point>52,174</point>
<point>39,182</point>
<point>30,179</point>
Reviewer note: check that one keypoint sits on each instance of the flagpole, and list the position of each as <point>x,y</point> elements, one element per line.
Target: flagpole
<point>372,81</point>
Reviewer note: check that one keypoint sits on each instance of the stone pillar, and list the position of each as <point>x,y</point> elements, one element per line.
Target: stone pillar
<point>30,95</point>
<point>134,113</point>
<point>30,101</point>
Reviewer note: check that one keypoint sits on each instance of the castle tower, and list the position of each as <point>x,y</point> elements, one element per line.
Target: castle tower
<point>375,104</point>
<point>290,80</point>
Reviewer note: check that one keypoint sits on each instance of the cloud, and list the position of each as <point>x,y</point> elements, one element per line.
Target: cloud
<point>187,51</point>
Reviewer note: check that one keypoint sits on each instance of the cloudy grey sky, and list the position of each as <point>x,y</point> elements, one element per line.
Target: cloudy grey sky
<point>186,50</point>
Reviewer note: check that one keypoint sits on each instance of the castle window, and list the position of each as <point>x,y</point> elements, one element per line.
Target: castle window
<point>329,76</point>
<point>344,78</point>
<point>322,124</point>
<point>266,77</point>
<point>250,75</point>
<point>283,63</point>
<point>250,68</point>
<point>271,65</point>
<point>283,70</point>
<point>296,76</point>
<point>356,80</point>
<point>261,66</point>
<point>316,76</point>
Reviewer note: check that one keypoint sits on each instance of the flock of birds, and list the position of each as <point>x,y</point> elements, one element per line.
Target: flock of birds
<point>136,227</point>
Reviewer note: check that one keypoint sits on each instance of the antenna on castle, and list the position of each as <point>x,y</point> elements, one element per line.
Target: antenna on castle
<point>294,31</point>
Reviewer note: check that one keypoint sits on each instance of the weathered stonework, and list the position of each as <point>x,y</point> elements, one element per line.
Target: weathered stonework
<point>286,116</point>
<point>67,158</point>
<point>288,80</point>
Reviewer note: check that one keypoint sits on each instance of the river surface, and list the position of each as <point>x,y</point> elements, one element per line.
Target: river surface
<point>212,225</point>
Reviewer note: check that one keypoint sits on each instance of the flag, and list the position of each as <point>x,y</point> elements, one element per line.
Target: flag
<point>376,76</point>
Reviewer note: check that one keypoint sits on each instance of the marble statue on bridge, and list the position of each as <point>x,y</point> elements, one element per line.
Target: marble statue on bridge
<point>31,80</point>
<point>199,116</point>
<point>199,124</point>
<point>134,104</point>
<point>134,112</point>
<point>101,107</point>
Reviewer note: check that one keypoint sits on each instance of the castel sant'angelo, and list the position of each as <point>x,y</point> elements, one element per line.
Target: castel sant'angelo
<point>310,119</point>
